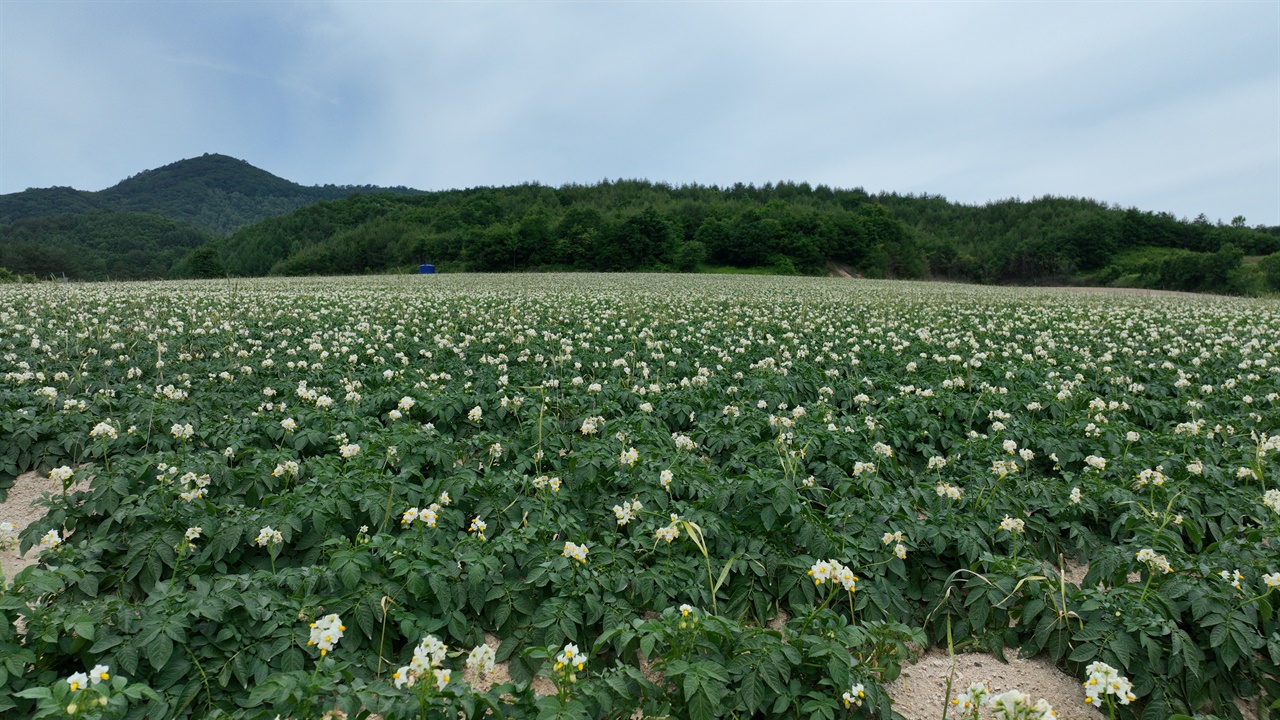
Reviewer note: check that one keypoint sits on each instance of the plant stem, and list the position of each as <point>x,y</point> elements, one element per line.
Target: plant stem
<point>387,514</point>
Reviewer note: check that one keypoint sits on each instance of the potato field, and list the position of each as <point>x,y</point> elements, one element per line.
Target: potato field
<point>663,496</point>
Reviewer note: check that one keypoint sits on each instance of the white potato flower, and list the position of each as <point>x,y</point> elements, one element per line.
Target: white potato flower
<point>326,632</point>
<point>575,551</point>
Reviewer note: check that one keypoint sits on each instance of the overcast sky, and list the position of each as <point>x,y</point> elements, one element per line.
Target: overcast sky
<point>1165,106</point>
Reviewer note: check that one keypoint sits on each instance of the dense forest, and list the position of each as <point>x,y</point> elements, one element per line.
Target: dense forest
<point>226,217</point>
<point>98,246</point>
<point>216,193</point>
<point>637,225</point>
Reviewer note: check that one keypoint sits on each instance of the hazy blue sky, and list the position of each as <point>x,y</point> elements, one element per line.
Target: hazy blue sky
<point>1166,106</point>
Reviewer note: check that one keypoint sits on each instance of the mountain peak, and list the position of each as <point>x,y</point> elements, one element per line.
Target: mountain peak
<point>208,172</point>
<point>215,192</point>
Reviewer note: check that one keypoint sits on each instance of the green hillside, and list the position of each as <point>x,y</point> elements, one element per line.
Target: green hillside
<point>638,225</point>
<point>264,225</point>
<point>213,192</point>
<point>98,245</point>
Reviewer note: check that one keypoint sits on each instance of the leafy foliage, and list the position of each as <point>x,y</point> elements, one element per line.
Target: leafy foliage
<point>97,246</point>
<point>278,227</point>
<point>639,468</point>
<point>637,225</point>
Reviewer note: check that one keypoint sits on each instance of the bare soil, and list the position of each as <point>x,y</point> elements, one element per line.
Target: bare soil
<point>842,270</point>
<point>19,509</point>
<point>921,691</point>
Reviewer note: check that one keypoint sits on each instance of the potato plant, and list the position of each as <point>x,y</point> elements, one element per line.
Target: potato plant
<point>696,497</point>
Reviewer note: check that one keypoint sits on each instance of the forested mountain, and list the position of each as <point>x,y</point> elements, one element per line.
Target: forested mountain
<point>638,225</point>
<point>98,245</point>
<point>279,227</point>
<point>214,192</point>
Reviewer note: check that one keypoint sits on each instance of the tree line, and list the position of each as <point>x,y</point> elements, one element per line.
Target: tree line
<point>636,225</point>
<point>631,225</point>
<point>98,246</point>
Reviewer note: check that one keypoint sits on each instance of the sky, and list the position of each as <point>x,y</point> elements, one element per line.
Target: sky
<point>1163,106</point>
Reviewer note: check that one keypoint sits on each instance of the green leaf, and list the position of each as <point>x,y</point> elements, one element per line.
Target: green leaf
<point>646,645</point>
<point>568,628</point>
<point>750,692</point>
<point>127,657</point>
<point>86,629</point>
<point>88,584</point>
<point>690,681</point>
<point>711,669</point>
<point>178,668</point>
<point>1218,636</point>
<point>292,660</point>
<point>365,618</point>
<point>838,671</point>
<point>724,573</point>
<point>700,706</point>
<point>159,650</point>
<point>1123,646</point>
<point>349,574</point>
<point>1084,653</point>
<point>1032,609</point>
<point>35,693</point>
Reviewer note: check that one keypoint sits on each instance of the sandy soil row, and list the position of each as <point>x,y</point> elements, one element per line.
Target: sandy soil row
<point>21,510</point>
